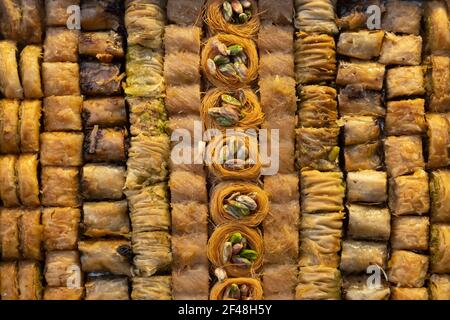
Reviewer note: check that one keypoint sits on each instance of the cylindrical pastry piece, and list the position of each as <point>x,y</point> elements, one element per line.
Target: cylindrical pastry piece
<point>30,71</point>
<point>182,39</point>
<point>102,182</point>
<point>152,288</point>
<point>105,45</point>
<point>61,45</point>
<point>100,79</point>
<point>9,286</point>
<point>9,192</point>
<point>357,256</point>
<point>107,289</point>
<point>440,196</point>
<point>189,217</point>
<point>439,287</point>
<point>439,248</point>
<point>9,234</point>
<point>318,283</point>
<point>61,228</point>
<point>63,113</point>
<point>438,141</point>
<point>191,284</point>
<point>189,250</point>
<point>318,106</point>
<point>105,145</point>
<point>369,223</point>
<point>31,234</point>
<point>407,269</point>
<point>410,233</point>
<point>62,269</point>
<point>180,192</point>
<point>61,149</point>
<point>60,187</point>
<point>106,219</point>
<point>27,176</point>
<point>29,278</point>
<point>152,252</point>
<point>279,282</point>
<point>403,155</point>
<point>105,112</point>
<point>100,15</point>
<point>10,86</point>
<point>30,123</point>
<point>357,288</point>
<point>63,293</point>
<point>9,129</point>
<point>409,293</point>
<point>316,16</point>
<point>61,78</point>
<point>367,186</point>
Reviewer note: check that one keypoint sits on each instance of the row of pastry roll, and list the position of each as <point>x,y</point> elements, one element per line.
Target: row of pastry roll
<point>278,102</point>
<point>147,165</point>
<point>317,152</point>
<point>187,182</point>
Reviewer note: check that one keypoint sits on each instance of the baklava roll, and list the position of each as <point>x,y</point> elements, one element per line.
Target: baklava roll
<point>30,71</point>
<point>27,180</point>
<point>282,188</point>
<point>60,187</point>
<point>440,196</point>
<point>437,27</point>
<point>144,69</point>
<point>357,256</point>
<point>363,156</point>
<point>405,81</point>
<point>276,64</point>
<point>9,286</point>
<point>407,269</point>
<point>279,282</point>
<point>61,149</point>
<point>10,85</point>
<point>101,79</point>
<point>278,96</point>
<point>152,288</point>
<point>183,99</point>
<point>318,283</point>
<point>409,293</point>
<point>61,45</point>
<point>149,208</point>
<point>10,234</point>
<point>60,228</point>
<point>189,217</point>
<point>9,192</point>
<point>191,284</point>
<point>320,239</point>
<point>367,186</point>
<point>31,234</point>
<point>360,129</point>
<point>31,25</point>
<point>105,145</point>
<point>9,129</point>
<point>316,16</point>
<point>368,223</point>
<point>315,58</point>
<point>322,191</point>
<point>30,124</point>
<point>56,11</point>
<point>222,109</point>
<point>62,269</point>
<point>61,78</point>
<point>63,113</point>
<point>246,203</point>
<point>402,17</point>
<point>357,288</point>
<point>152,252</point>
<point>182,39</point>
<point>439,248</point>
<point>236,248</point>
<point>367,74</point>
<point>147,116</point>
<point>406,117</point>
<point>363,44</point>
<point>401,49</point>
<point>355,100</point>
<point>107,289</point>
<point>111,256</point>
<point>63,293</point>
<point>410,233</point>
<point>102,182</point>
<point>230,61</point>
<point>178,74</point>
<point>100,15</point>
<point>194,191</point>
<point>318,106</point>
<point>29,278</point>
<point>147,163</point>
<point>189,250</point>
<point>438,141</point>
<point>440,76</point>
<point>439,287</point>
<point>403,155</point>
<point>237,289</point>
<point>104,219</point>
<point>104,46</point>
<point>105,112</point>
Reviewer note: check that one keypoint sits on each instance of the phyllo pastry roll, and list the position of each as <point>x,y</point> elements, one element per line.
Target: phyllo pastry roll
<point>405,117</point>
<point>409,293</point>
<point>360,129</point>
<point>182,39</point>
<point>438,141</point>
<point>282,188</point>
<point>107,289</point>
<point>279,282</point>
<point>30,71</point>
<point>9,286</point>
<point>9,128</point>
<point>278,96</point>
<point>439,248</point>
<point>437,26</point>
<point>369,75</point>
<point>363,44</point>
<point>152,288</point>
<point>363,156</point>
<point>184,99</point>
<point>102,182</point>
<point>403,155</point>
<point>56,11</point>
<point>405,81</point>
<point>10,86</point>
<point>61,228</point>
<point>189,250</point>
<point>276,38</point>
<point>318,148</point>
<point>246,203</point>
<point>318,283</point>
<point>9,234</point>
<point>440,77</point>
<point>410,233</point>
<point>105,145</point>
<point>61,149</point>
<point>402,17</point>
<point>105,112</point>
<point>102,219</point>
<point>318,106</point>
<point>440,196</point>
<point>236,248</point>
<point>357,256</point>
<point>31,234</point>
<point>149,208</point>
<point>322,191</point>
<point>409,194</point>
<point>22,20</point>
<point>368,186</point>
<point>316,16</point>
<point>276,64</point>
<point>101,79</point>
<point>401,49</point>
<point>9,192</point>
<point>194,191</point>
<point>237,289</point>
<point>191,284</point>
<point>439,287</point>
<point>100,15</point>
<point>60,187</point>
<point>181,68</point>
<point>147,116</point>
<point>63,113</point>
<point>368,222</point>
<point>62,268</point>
<point>27,178</point>
<point>61,45</point>
<point>147,162</point>
<point>29,279</point>
<point>30,124</point>
<point>189,217</point>
<point>144,69</point>
<point>152,252</point>
<point>282,123</point>
<point>357,288</point>
<point>111,256</point>
<point>407,269</point>
<point>63,293</point>
<point>320,239</point>
<point>61,78</point>
<point>354,100</point>
<point>315,58</point>
<point>105,45</point>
